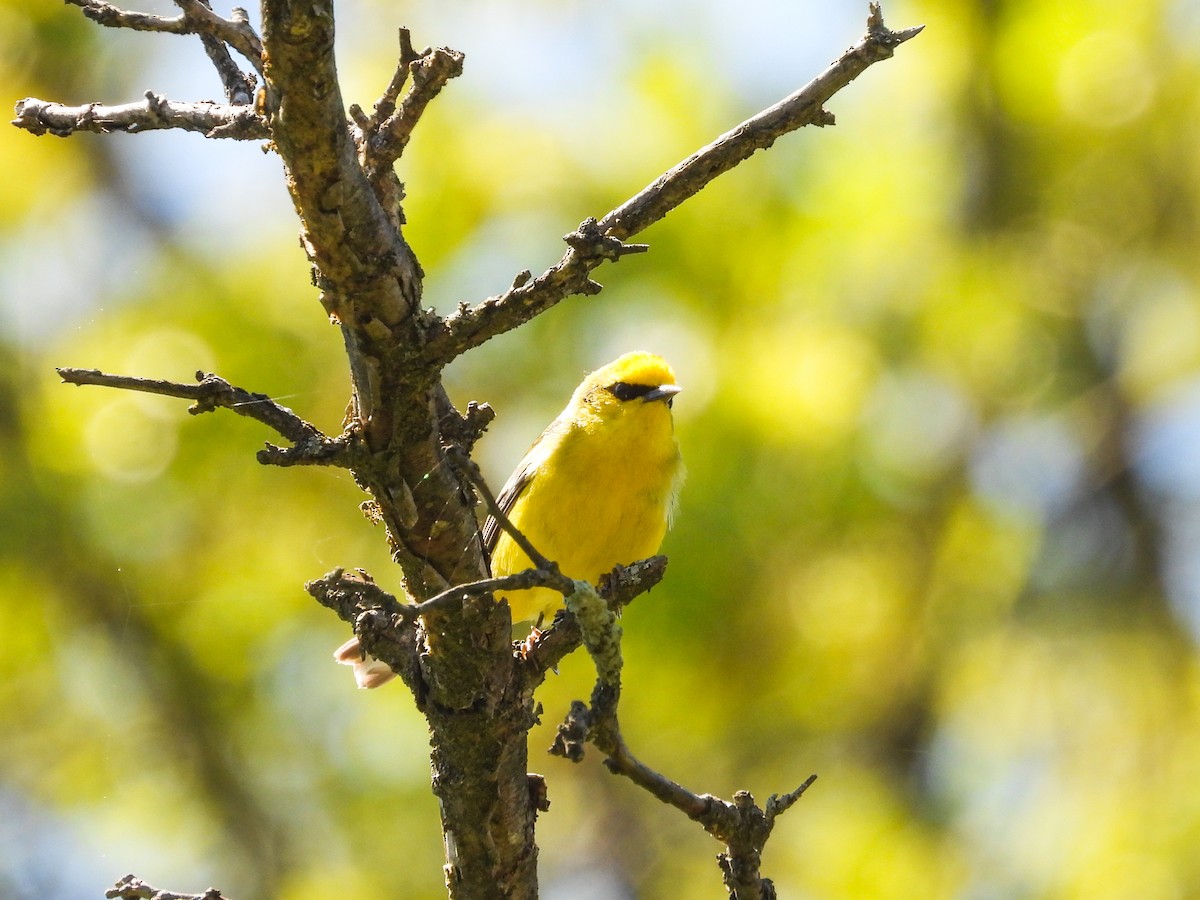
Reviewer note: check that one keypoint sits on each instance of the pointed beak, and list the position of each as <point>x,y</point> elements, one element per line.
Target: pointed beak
<point>662,392</point>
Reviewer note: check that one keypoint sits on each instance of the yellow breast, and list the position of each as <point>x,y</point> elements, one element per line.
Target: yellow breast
<point>601,497</point>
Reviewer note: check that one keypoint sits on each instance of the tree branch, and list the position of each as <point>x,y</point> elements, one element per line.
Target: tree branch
<point>384,625</point>
<point>238,120</point>
<point>196,18</point>
<point>390,132</point>
<point>114,17</point>
<point>741,825</point>
<point>454,648</point>
<point>619,588</point>
<point>212,393</point>
<point>386,104</point>
<point>471,326</point>
<point>371,284</point>
<point>155,113</point>
<point>131,888</point>
<point>368,275</point>
<point>239,86</point>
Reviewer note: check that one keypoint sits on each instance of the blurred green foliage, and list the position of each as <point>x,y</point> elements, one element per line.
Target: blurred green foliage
<point>941,417</point>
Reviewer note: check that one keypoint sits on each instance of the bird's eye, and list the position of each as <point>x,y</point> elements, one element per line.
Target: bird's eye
<point>623,390</point>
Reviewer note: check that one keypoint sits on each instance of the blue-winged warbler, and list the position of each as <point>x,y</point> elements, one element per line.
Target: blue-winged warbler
<point>596,490</point>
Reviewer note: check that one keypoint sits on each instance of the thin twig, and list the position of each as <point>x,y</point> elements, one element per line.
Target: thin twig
<point>352,594</point>
<point>804,107</point>
<point>156,112</point>
<point>114,17</point>
<point>621,762</point>
<point>471,326</point>
<point>212,392</point>
<point>239,86</point>
<point>373,597</point>
<point>518,581</point>
<point>619,588</point>
<point>132,888</point>
<point>386,104</point>
<point>777,805</point>
<point>740,825</point>
<point>236,32</point>
<point>428,73</point>
<point>196,18</point>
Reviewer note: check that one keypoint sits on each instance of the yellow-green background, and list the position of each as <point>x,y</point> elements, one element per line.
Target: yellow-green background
<point>942,419</point>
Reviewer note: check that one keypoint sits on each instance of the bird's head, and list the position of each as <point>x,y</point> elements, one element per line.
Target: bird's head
<point>635,378</point>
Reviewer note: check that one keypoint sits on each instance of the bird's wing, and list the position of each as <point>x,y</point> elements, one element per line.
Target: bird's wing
<point>519,480</point>
<point>513,488</point>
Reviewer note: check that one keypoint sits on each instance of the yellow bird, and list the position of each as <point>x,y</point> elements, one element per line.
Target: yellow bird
<point>598,487</point>
<point>596,490</point>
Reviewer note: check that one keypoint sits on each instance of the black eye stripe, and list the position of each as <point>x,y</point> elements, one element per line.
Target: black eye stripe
<point>623,390</point>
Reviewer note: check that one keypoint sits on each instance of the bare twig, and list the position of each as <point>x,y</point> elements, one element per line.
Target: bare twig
<point>131,888</point>
<point>369,278</point>
<point>237,120</point>
<point>464,429</point>
<point>212,392</point>
<point>429,73</point>
<point>239,86</point>
<point>323,451</point>
<point>156,112</point>
<point>236,32</point>
<point>372,596</point>
<point>386,104</point>
<point>740,825</point>
<point>196,18</point>
<point>351,594</point>
<point>778,804</point>
<point>382,624</point>
<point>619,588</point>
<point>471,326</point>
<point>518,581</point>
<point>114,17</point>
<point>804,107</point>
